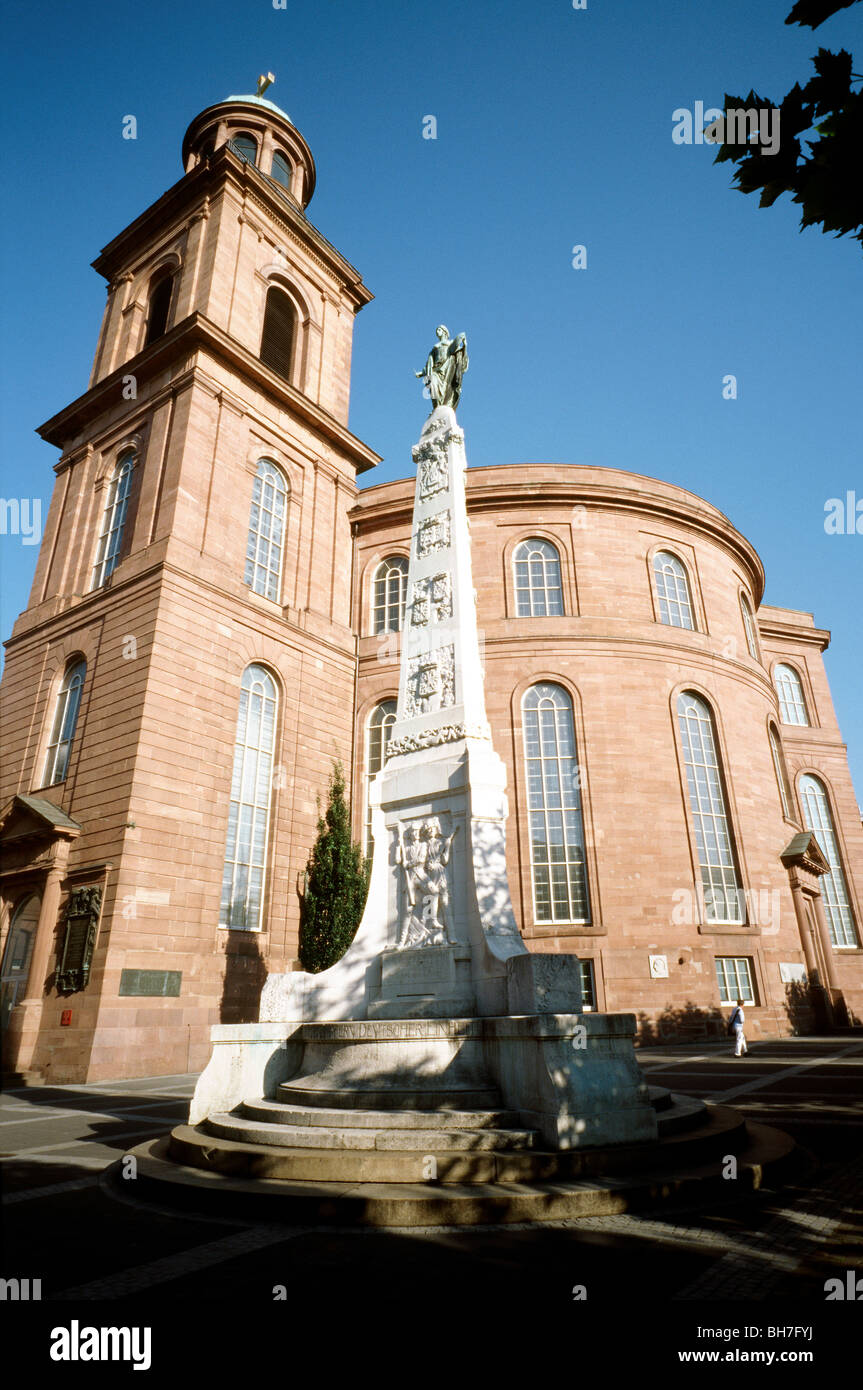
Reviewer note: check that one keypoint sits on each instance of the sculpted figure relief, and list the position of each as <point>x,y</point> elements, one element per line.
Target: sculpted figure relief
<point>410,855</point>
<point>436,896</point>
<point>445,366</point>
<point>424,854</point>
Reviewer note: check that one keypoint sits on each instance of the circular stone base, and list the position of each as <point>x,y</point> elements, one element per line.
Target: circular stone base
<point>270,1181</point>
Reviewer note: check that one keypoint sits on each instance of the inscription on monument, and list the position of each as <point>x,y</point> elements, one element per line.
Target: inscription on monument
<point>432,738</point>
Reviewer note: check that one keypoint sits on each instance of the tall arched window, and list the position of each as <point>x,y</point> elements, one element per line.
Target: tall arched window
<point>380,724</point>
<point>246,146</point>
<point>281,170</point>
<point>65,721</point>
<point>159,306</point>
<point>536,567</point>
<point>277,339</point>
<point>557,855</point>
<point>789,688</point>
<point>781,773</point>
<point>817,816</point>
<point>672,590</point>
<point>113,520</point>
<point>389,594</point>
<point>749,627</point>
<point>265,546</point>
<point>716,858</point>
<point>249,815</point>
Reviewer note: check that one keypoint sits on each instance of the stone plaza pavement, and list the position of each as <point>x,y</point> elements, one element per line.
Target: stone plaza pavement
<point>58,1142</point>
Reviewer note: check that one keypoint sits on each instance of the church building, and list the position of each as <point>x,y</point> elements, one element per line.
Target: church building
<point>216,616</point>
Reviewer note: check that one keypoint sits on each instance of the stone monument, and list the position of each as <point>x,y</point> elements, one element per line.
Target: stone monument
<point>438,1003</point>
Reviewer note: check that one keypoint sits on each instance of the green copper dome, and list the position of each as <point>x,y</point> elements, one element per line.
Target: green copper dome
<point>261,101</point>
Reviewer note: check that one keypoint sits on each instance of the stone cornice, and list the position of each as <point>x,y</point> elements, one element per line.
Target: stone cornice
<point>529,484</point>
<point>276,623</point>
<point>778,631</point>
<point>569,640</point>
<point>193,333</point>
<point>77,609</point>
<point>185,199</point>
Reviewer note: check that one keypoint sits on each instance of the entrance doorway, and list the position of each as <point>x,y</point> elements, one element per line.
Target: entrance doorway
<point>16,957</point>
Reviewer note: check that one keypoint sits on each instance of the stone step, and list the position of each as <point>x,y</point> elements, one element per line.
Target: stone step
<point>659,1097</point>
<point>201,1149</point>
<point>361,1097</point>
<point>723,1132</point>
<point>280,1112</point>
<point>767,1155</point>
<point>388,1138</point>
<point>675,1113</point>
<point>679,1113</point>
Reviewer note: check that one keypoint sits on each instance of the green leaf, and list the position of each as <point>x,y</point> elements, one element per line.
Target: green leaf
<point>815,12</point>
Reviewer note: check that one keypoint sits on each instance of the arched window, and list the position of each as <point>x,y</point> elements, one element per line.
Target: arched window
<point>749,627</point>
<point>380,724</point>
<point>16,956</point>
<point>672,590</point>
<point>277,340</point>
<point>390,592</point>
<point>159,306</point>
<point>281,170</point>
<point>781,773</point>
<point>536,566</point>
<point>246,146</point>
<point>557,855</point>
<point>719,879</point>
<point>265,546</point>
<point>113,520</point>
<point>789,688</point>
<point>834,886</point>
<point>249,815</point>
<point>65,721</point>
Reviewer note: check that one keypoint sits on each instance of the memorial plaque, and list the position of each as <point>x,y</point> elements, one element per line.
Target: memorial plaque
<point>151,982</point>
<point>79,939</point>
<point>423,971</point>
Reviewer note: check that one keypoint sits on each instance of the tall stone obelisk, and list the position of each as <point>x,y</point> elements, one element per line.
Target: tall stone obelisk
<point>438,927</point>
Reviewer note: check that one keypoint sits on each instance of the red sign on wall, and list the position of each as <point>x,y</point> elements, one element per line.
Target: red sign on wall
<point>65,1018</point>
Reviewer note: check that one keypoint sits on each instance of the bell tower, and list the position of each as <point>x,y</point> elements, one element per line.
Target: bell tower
<point>182,678</point>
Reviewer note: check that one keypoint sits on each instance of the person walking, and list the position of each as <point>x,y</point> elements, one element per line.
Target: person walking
<point>735,1026</point>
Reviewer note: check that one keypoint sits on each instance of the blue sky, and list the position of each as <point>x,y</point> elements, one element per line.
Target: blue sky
<point>554,129</point>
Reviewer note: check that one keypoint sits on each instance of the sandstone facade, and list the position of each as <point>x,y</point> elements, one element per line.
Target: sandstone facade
<point>623,669</point>
<point>141,812</point>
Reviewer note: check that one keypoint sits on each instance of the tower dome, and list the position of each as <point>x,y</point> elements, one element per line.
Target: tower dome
<point>262,134</point>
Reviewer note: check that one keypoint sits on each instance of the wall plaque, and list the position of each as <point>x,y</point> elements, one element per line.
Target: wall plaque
<point>151,982</point>
<point>79,939</point>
